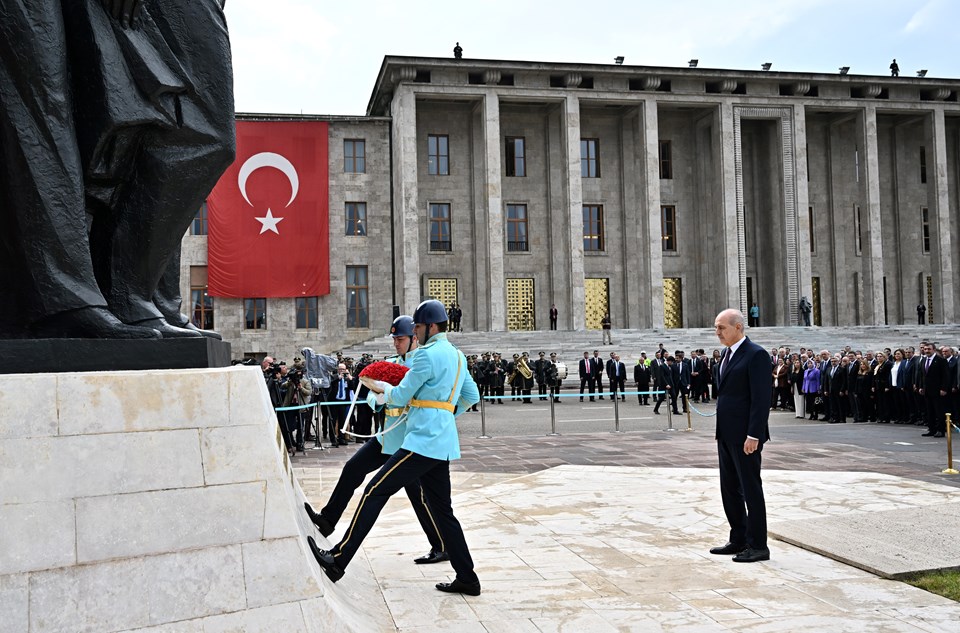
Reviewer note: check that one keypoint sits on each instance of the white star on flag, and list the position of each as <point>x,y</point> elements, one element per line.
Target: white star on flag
<point>269,223</point>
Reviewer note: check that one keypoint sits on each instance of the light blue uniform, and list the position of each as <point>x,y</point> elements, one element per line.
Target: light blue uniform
<point>438,374</point>
<point>391,441</point>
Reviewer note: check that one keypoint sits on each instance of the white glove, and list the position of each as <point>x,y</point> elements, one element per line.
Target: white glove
<point>372,400</point>
<point>381,398</point>
<point>381,385</point>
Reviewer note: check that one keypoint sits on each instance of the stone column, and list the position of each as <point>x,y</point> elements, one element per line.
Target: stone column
<point>732,258</point>
<point>871,243</point>
<point>653,249</point>
<point>574,199</point>
<point>406,198</point>
<point>939,204</point>
<point>805,283</point>
<point>493,199</point>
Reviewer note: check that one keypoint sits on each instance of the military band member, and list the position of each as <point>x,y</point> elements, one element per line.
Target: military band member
<point>498,373</point>
<point>525,376</point>
<point>513,379</point>
<point>539,371</point>
<point>375,453</point>
<point>437,388</point>
<point>553,378</point>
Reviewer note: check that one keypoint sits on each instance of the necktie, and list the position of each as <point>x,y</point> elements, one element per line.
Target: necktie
<point>341,394</point>
<point>929,360</point>
<point>726,361</point>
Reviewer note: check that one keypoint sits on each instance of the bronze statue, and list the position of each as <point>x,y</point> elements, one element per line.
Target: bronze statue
<point>116,120</point>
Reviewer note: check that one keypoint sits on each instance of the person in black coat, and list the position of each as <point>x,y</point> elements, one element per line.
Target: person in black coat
<point>934,388</point>
<point>641,376</point>
<point>662,374</point>
<point>586,376</point>
<point>743,410</point>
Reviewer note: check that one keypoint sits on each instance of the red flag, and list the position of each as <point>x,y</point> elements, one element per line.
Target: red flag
<point>268,215</point>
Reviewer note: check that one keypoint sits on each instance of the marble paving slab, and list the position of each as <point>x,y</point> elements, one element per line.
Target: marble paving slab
<point>891,544</point>
<point>589,548</point>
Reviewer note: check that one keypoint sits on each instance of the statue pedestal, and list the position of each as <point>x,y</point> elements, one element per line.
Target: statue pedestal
<point>55,355</point>
<point>142,499</point>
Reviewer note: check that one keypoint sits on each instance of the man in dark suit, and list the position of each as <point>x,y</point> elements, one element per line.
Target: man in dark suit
<point>835,386</point>
<point>935,387</point>
<point>597,367</point>
<point>641,376</point>
<point>743,409</point>
<point>663,380</point>
<point>616,374</point>
<point>586,375</point>
<point>684,375</point>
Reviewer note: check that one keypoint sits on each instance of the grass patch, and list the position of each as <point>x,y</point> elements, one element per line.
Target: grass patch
<point>942,583</point>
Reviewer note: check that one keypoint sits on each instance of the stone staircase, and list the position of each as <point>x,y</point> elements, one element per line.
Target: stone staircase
<point>570,345</point>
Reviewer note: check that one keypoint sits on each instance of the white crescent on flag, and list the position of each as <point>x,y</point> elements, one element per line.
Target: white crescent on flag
<point>268,159</point>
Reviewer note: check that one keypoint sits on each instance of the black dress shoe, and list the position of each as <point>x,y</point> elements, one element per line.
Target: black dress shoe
<point>325,559</point>
<point>728,549</point>
<point>929,434</point>
<point>938,434</point>
<point>751,555</point>
<point>325,527</point>
<point>431,558</point>
<point>458,586</point>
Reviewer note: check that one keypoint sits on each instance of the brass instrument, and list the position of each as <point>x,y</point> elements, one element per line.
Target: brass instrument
<point>524,369</point>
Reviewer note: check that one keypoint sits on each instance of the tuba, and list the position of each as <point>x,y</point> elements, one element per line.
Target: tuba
<point>524,369</point>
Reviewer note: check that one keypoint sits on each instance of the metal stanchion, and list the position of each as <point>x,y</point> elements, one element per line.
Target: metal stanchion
<point>666,398</point>
<point>616,415</point>
<point>950,470</point>
<point>686,405</point>
<point>553,418</point>
<point>483,420</point>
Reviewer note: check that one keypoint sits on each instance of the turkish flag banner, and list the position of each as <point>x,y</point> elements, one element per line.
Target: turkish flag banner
<point>268,216</point>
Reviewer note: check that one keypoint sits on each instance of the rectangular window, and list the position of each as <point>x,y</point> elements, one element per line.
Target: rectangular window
<point>668,228</point>
<point>589,158</point>
<point>516,228</point>
<point>666,160</point>
<point>516,156</point>
<point>356,218</point>
<point>925,228</point>
<point>923,164</point>
<point>199,226</point>
<point>440,227</point>
<point>592,227</point>
<point>354,156</point>
<point>202,302</point>
<point>255,314</point>
<point>810,228</point>
<point>357,310</point>
<point>307,313</point>
<point>858,228</point>
<point>438,155</point>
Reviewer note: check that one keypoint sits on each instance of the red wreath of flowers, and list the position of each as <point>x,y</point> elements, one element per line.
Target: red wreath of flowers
<point>391,373</point>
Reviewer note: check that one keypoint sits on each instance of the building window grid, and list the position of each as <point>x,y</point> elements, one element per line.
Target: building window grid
<point>199,225</point>
<point>356,213</point>
<point>440,239</point>
<point>666,160</point>
<point>438,155</point>
<point>516,157</point>
<point>668,228</point>
<point>923,165</point>
<point>357,297</point>
<point>589,158</point>
<point>517,228</point>
<point>202,307</point>
<point>308,313</point>
<point>354,156</point>
<point>593,227</point>
<point>255,313</point>
<point>925,228</point>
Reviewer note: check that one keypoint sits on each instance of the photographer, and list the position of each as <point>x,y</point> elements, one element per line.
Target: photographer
<point>339,392</point>
<point>297,392</point>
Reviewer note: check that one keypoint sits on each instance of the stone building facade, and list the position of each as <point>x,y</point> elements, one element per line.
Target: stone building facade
<point>660,195</point>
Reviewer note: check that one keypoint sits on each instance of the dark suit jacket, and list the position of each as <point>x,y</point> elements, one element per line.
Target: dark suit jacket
<point>743,397</point>
<point>586,368</point>
<point>936,377</point>
<point>596,365</point>
<point>834,383</point>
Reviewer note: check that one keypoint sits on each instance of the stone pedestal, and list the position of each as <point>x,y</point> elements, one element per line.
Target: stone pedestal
<point>138,499</point>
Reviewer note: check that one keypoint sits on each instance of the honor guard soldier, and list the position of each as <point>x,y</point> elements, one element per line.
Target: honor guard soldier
<point>437,389</point>
<point>374,454</point>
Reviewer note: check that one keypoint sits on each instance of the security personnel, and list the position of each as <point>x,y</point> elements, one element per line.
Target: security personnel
<point>437,388</point>
<point>374,454</point>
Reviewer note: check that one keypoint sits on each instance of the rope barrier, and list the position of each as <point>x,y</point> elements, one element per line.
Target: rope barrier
<point>700,413</point>
<point>533,394</point>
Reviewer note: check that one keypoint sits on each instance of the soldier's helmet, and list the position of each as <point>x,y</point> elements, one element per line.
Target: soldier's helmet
<point>430,311</point>
<point>402,326</point>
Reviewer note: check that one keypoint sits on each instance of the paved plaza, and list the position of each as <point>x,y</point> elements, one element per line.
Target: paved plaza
<point>591,530</point>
